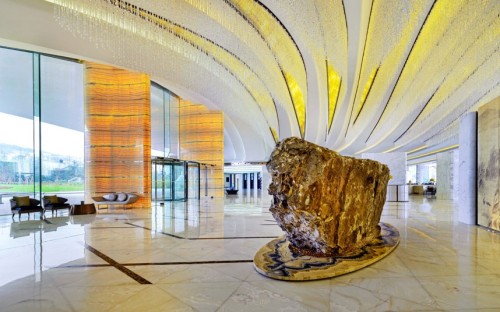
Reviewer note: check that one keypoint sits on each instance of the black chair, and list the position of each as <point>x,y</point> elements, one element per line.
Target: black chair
<point>24,204</point>
<point>231,192</point>
<point>430,191</point>
<point>55,203</point>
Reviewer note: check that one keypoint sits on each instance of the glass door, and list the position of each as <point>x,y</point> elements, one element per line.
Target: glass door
<point>174,179</point>
<point>193,180</point>
<point>157,190</point>
<point>179,184</point>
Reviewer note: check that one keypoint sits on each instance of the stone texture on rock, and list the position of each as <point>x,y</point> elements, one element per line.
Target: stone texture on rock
<point>326,203</point>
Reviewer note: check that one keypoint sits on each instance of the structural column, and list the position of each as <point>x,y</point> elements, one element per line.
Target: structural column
<point>266,179</point>
<point>467,168</point>
<point>421,174</point>
<point>444,174</point>
<point>118,132</point>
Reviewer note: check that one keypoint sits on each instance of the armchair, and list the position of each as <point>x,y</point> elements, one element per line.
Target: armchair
<point>24,204</point>
<point>55,203</point>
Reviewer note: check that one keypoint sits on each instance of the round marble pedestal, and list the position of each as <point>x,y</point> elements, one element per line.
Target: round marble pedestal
<point>276,260</point>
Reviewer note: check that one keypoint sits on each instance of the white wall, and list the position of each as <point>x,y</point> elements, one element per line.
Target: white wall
<point>396,163</point>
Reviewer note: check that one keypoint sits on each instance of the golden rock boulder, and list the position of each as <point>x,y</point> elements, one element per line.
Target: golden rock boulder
<point>326,203</point>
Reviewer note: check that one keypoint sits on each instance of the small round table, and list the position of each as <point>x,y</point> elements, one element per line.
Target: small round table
<point>83,209</point>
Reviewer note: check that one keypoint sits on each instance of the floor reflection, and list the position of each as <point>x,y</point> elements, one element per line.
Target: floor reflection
<point>197,255</point>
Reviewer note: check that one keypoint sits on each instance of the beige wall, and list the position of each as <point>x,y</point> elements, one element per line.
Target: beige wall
<point>202,140</point>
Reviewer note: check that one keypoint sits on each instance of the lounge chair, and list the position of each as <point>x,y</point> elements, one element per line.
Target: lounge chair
<point>115,199</point>
<point>55,203</point>
<point>25,204</point>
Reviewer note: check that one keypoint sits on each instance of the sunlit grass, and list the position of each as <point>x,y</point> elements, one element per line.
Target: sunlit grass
<point>49,187</point>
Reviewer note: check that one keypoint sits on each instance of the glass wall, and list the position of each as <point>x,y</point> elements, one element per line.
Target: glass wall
<point>62,129</point>
<point>158,117</point>
<point>172,179</point>
<point>164,123</point>
<point>41,125</point>
<point>16,122</point>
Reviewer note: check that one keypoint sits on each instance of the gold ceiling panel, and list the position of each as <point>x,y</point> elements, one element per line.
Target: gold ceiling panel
<point>274,134</point>
<point>366,91</point>
<point>334,83</point>
<point>298,102</point>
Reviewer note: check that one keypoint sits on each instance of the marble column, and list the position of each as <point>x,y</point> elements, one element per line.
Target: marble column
<point>421,172</point>
<point>467,168</point>
<point>239,182</point>
<point>266,179</point>
<point>444,175</point>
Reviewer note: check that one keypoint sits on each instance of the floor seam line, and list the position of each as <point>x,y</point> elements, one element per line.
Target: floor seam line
<point>118,266</point>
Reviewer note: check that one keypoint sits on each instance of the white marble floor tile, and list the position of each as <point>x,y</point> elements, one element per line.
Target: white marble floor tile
<point>314,294</point>
<point>33,298</point>
<point>89,276</point>
<point>99,298</point>
<point>440,264</point>
<point>151,298</point>
<point>202,296</point>
<point>465,292</point>
<point>249,297</point>
<point>347,298</point>
<point>404,288</point>
<point>192,274</point>
<point>240,271</point>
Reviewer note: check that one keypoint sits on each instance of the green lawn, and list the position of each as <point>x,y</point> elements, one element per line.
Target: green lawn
<point>46,188</point>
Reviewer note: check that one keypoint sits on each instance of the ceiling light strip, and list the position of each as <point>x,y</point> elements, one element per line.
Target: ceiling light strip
<point>274,134</point>
<point>425,66</point>
<point>366,92</point>
<point>360,70</point>
<point>392,149</point>
<point>333,85</point>
<point>287,32</point>
<point>279,126</point>
<point>458,87</point>
<point>444,149</point>
<point>296,96</point>
<point>298,102</point>
<point>417,149</point>
<point>345,21</point>
<point>402,70</point>
<point>416,118</point>
<point>449,124</point>
<point>463,82</point>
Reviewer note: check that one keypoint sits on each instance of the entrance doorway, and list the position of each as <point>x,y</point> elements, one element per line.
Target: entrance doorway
<point>174,179</point>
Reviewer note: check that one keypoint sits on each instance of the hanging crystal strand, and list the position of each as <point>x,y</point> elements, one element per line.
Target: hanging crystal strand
<point>118,30</point>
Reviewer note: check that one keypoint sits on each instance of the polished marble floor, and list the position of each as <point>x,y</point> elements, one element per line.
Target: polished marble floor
<point>197,256</point>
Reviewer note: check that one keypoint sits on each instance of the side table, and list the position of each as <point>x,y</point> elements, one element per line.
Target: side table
<point>83,209</point>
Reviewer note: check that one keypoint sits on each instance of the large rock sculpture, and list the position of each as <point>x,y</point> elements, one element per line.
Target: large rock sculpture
<point>327,204</point>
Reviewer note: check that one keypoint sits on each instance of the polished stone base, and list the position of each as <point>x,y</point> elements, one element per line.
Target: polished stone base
<point>275,260</point>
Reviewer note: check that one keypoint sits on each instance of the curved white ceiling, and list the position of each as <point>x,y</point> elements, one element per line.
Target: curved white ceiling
<point>354,76</point>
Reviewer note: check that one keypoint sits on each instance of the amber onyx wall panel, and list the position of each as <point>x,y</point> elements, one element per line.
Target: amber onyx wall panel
<point>202,140</point>
<point>488,171</point>
<point>117,132</point>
